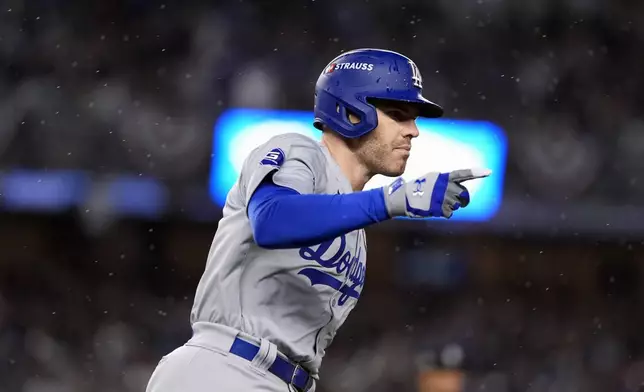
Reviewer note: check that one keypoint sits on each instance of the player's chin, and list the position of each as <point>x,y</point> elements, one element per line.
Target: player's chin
<point>403,156</point>
<point>396,168</point>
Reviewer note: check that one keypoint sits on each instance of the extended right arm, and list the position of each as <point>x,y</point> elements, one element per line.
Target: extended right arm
<point>284,186</point>
<point>283,218</point>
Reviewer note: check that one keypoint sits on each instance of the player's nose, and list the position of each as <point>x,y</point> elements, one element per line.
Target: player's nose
<point>410,129</point>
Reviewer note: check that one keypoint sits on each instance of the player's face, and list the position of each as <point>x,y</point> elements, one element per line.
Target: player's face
<point>385,150</point>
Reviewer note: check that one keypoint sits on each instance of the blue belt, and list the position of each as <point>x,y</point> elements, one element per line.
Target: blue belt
<point>291,374</point>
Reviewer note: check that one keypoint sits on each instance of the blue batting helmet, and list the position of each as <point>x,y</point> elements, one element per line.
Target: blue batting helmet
<point>354,78</point>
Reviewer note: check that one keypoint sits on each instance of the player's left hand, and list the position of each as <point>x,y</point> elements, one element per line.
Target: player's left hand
<point>432,195</point>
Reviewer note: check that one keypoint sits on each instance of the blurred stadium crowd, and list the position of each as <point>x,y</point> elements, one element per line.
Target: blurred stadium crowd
<point>135,86</point>
<point>474,313</point>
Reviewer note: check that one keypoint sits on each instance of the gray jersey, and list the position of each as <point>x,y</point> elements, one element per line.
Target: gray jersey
<point>296,298</point>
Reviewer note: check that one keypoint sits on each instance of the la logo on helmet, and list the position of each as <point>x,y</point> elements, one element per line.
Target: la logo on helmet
<point>415,75</point>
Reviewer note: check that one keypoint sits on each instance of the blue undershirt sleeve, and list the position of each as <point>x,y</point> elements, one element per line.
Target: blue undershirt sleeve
<point>282,218</point>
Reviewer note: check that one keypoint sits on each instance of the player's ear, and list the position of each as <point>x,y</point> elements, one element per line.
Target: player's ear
<point>352,117</point>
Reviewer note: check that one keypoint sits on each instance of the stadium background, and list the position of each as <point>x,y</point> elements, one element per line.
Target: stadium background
<point>545,297</point>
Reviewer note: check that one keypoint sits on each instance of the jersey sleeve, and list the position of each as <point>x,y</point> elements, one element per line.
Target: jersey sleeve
<point>293,160</point>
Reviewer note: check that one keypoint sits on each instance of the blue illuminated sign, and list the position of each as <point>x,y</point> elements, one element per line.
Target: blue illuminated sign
<point>443,145</point>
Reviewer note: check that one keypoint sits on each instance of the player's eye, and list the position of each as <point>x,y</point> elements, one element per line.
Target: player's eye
<point>394,114</point>
<point>398,115</point>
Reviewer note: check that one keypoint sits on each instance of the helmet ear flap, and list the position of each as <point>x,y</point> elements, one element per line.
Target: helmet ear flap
<point>349,115</point>
<point>336,114</point>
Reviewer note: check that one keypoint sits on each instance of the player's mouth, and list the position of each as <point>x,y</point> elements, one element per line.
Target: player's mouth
<point>404,152</point>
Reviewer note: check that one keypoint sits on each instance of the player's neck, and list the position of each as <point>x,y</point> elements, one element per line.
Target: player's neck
<point>352,168</point>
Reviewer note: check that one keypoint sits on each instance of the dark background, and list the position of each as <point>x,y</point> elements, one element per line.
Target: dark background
<point>545,297</point>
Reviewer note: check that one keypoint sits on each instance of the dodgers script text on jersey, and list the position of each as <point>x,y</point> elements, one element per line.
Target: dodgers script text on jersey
<point>343,272</point>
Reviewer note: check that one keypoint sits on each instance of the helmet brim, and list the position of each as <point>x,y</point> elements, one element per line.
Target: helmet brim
<point>429,109</point>
<point>425,107</point>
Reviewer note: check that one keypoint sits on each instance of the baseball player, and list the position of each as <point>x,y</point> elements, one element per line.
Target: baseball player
<point>287,264</point>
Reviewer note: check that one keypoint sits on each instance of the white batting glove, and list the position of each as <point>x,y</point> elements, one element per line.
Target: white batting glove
<point>432,195</point>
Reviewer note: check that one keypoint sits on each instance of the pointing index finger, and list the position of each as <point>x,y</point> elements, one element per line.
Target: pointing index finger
<point>468,174</point>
